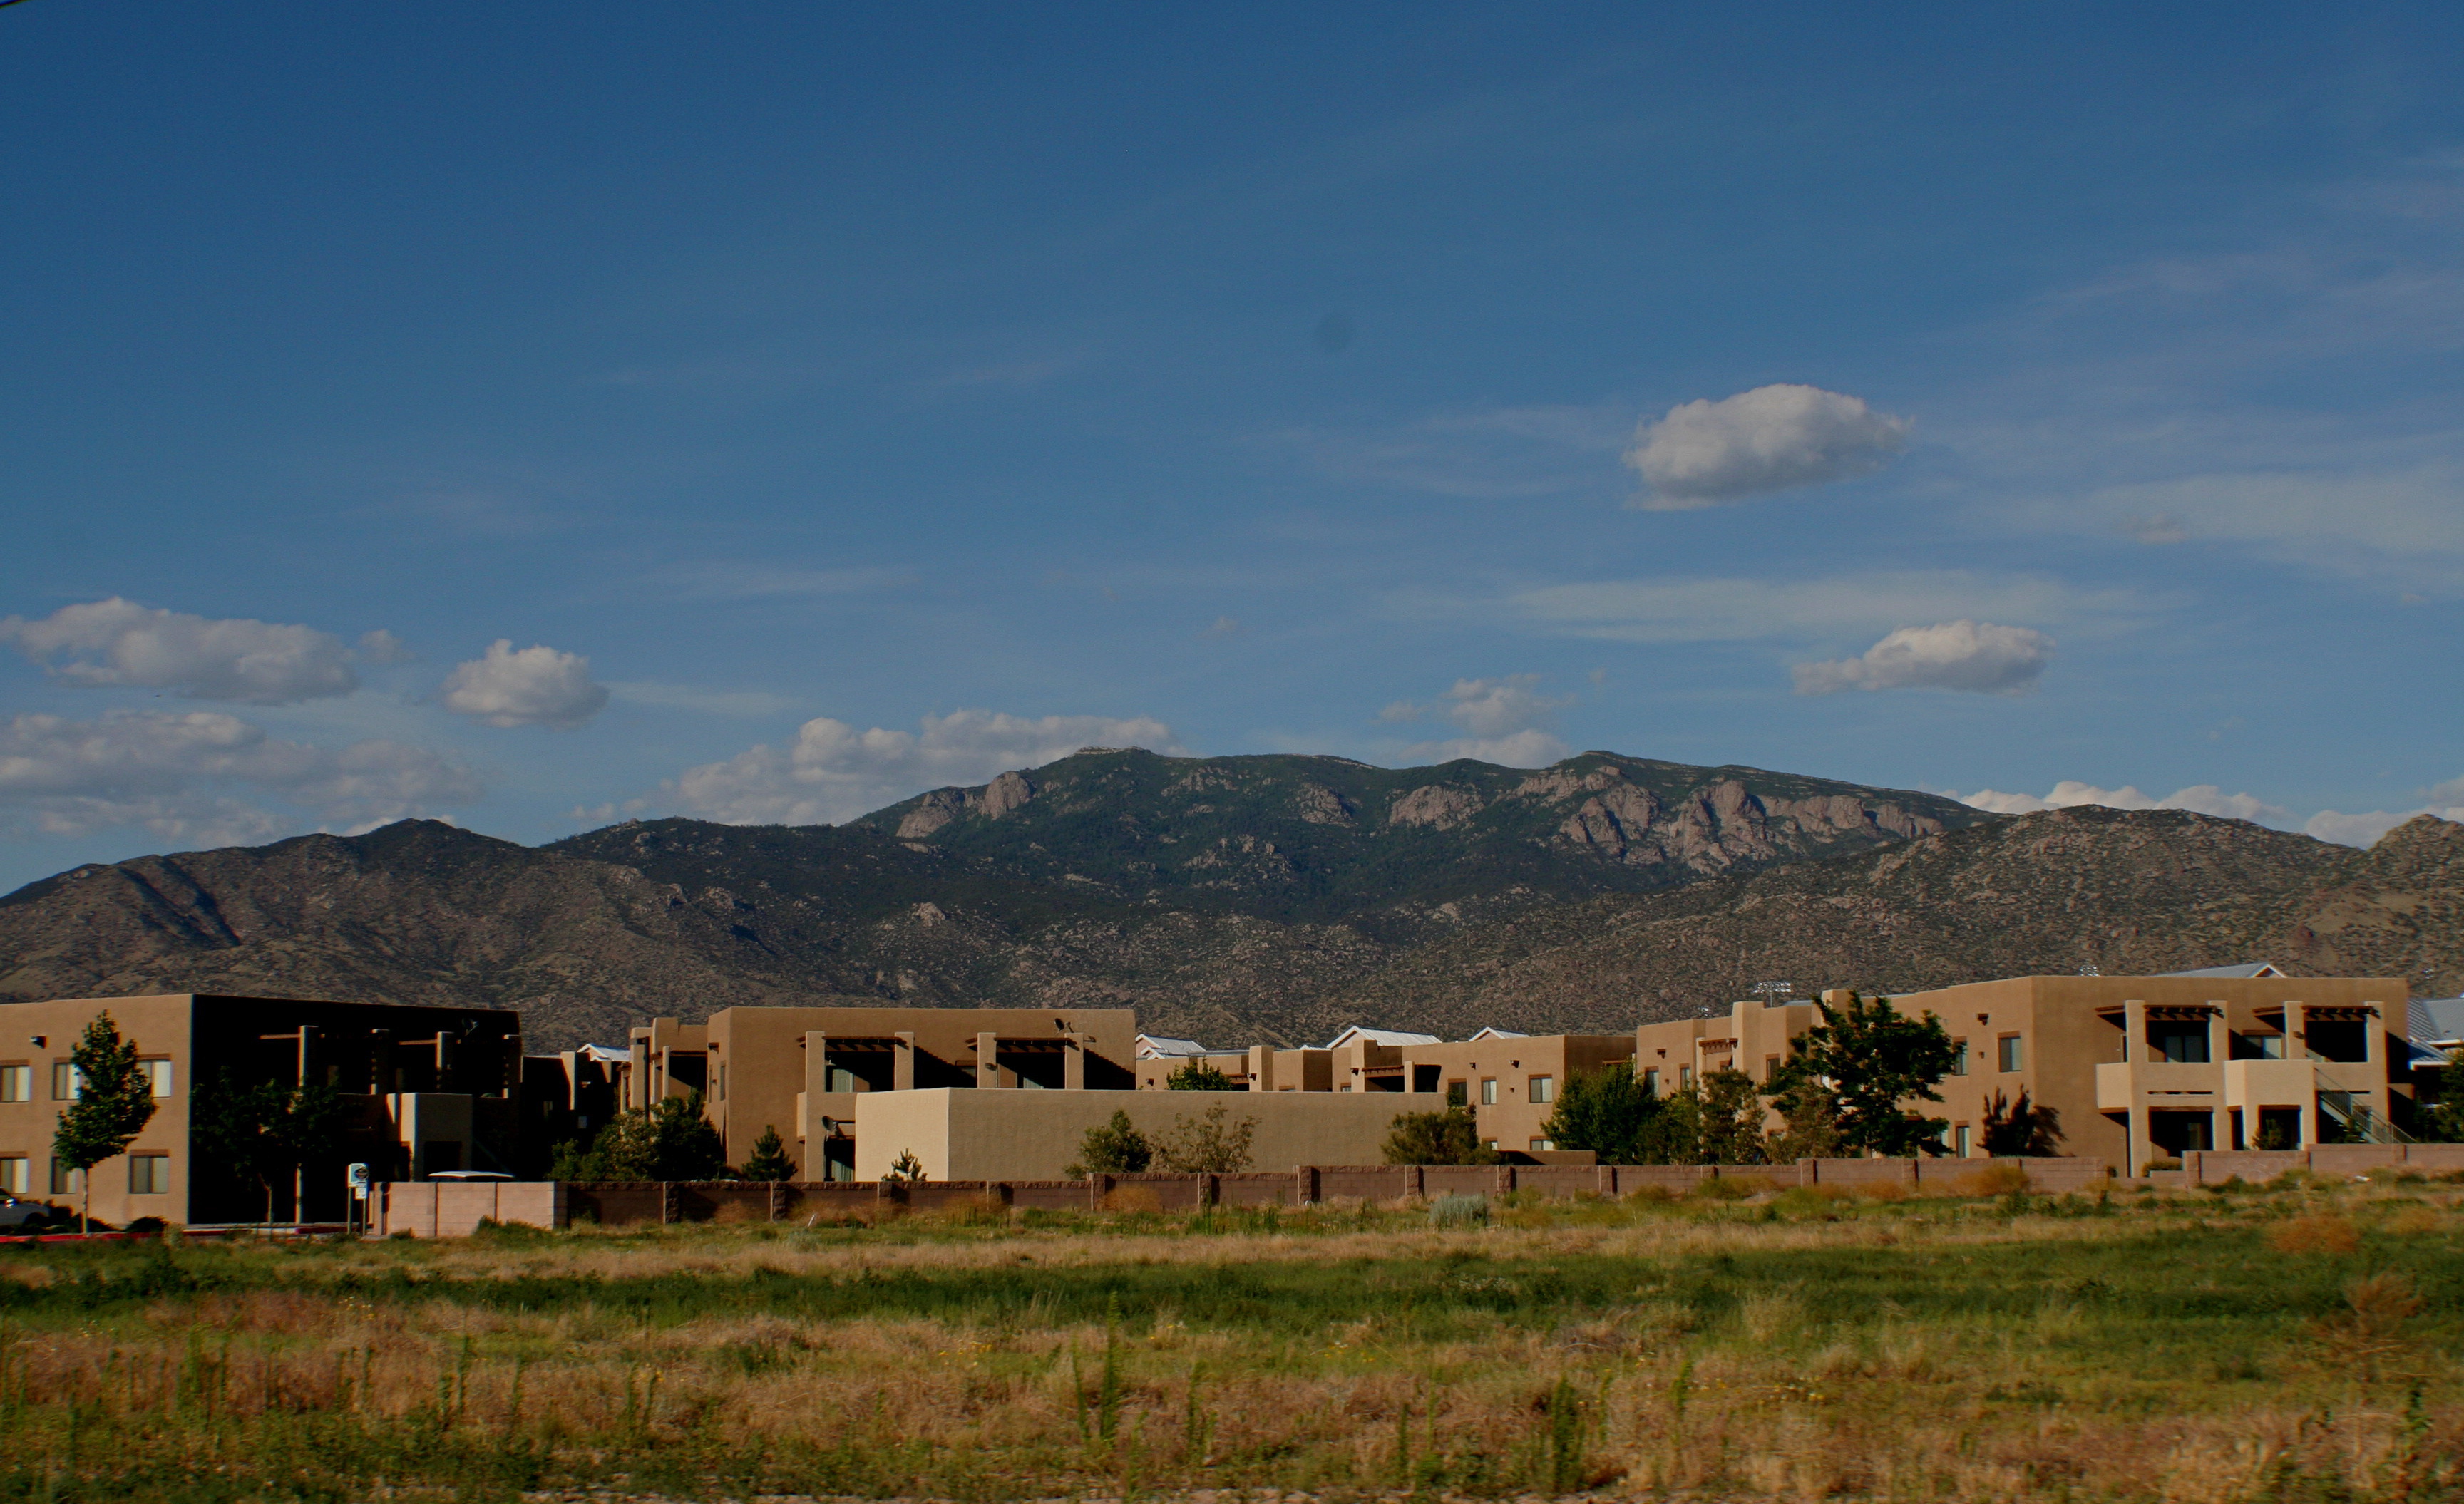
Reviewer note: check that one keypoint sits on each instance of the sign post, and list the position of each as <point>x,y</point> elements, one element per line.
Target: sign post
<point>357,1178</point>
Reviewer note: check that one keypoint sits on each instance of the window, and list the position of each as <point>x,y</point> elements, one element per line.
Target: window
<point>2181,1044</point>
<point>1544,1088</point>
<point>1771,1068</point>
<point>1959,1141</point>
<point>16,1083</point>
<point>1543,1146</point>
<point>149,1174</point>
<point>1651,1083</point>
<point>722,1082</point>
<point>1488,1092</point>
<point>64,1081</point>
<point>13,1174</point>
<point>2013,1057</point>
<point>66,1182</point>
<point>1684,1076</point>
<point>157,1077</point>
<point>1458,1094</point>
<point>1959,1057</point>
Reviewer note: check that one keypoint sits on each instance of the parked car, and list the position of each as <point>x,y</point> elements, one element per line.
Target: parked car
<point>27,1216</point>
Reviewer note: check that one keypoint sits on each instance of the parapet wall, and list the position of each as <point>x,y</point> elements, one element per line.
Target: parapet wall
<point>432,1208</point>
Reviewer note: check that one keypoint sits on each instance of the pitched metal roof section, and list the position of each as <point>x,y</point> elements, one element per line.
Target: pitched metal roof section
<point>1378,1037</point>
<point>1493,1032</point>
<point>2242,970</point>
<point>1162,1047</point>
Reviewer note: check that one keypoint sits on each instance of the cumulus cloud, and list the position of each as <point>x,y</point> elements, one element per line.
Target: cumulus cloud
<point>1772,438</point>
<point>535,686</point>
<point>2206,799</point>
<point>120,643</point>
<point>1973,657</point>
<point>1712,608</point>
<point>833,771</point>
<point>2200,799</point>
<point>182,775</point>
<point>1505,720</point>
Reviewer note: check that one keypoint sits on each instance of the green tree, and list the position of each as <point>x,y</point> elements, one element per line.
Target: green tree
<point>2441,1118</point>
<point>1206,1144</point>
<point>1116,1148</point>
<point>769,1161</point>
<point>1732,1119</point>
<point>265,1132</point>
<point>115,1100</point>
<point>1857,1066</point>
<point>1198,1077</point>
<point>1674,1135</point>
<point>1809,1124</point>
<point>672,1140</point>
<point>1451,1137</point>
<point>1608,1112</point>
<point>2022,1128</point>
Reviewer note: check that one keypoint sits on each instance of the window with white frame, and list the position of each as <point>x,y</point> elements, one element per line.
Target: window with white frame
<point>65,1081</point>
<point>13,1174</point>
<point>158,1078</point>
<point>1544,1088</point>
<point>1488,1092</point>
<point>149,1174</point>
<point>16,1083</point>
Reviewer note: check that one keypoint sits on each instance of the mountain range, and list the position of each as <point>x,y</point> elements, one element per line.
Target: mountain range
<point>1231,899</point>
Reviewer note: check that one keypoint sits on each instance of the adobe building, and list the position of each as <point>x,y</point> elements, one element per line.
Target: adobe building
<point>1031,1135</point>
<point>2147,1067</point>
<point>804,1071</point>
<point>423,1089</point>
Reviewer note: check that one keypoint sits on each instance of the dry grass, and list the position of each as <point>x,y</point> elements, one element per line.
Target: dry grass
<point>1782,1348</point>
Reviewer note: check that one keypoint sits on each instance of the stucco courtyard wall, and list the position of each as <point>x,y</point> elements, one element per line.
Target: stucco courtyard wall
<point>974,1134</point>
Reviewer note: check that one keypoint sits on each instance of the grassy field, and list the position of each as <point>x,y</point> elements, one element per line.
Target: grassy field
<point>2291,1342</point>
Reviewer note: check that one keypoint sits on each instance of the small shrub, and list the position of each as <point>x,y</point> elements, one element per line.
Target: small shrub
<point>1992,1180</point>
<point>1132,1198</point>
<point>2160,1165</point>
<point>1730,1188</point>
<point>1458,1211</point>
<point>2323,1233</point>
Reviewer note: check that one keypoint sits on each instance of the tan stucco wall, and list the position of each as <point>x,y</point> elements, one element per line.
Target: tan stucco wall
<point>761,1053</point>
<point>1013,1134</point>
<point>160,1027</point>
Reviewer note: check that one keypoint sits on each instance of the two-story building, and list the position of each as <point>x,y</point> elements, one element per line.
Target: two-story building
<point>422,1090</point>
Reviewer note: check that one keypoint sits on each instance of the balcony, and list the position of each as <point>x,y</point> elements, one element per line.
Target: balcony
<point>2122,1085</point>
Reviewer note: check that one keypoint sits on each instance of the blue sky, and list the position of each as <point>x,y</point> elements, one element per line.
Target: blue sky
<point>820,405</point>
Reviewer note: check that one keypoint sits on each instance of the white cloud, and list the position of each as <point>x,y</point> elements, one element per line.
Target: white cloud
<point>1713,610</point>
<point>535,686</point>
<point>120,643</point>
<point>2200,799</point>
<point>383,648</point>
<point>2402,524</point>
<point>834,773</point>
<point>748,703</point>
<point>1772,438</point>
<point>1973,657</point>
<point>1508,721</point>
<point>2363,830</point>
<point>175,774</point>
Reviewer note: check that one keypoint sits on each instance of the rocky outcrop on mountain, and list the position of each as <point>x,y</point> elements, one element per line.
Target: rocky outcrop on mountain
<point>2141,891</point>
